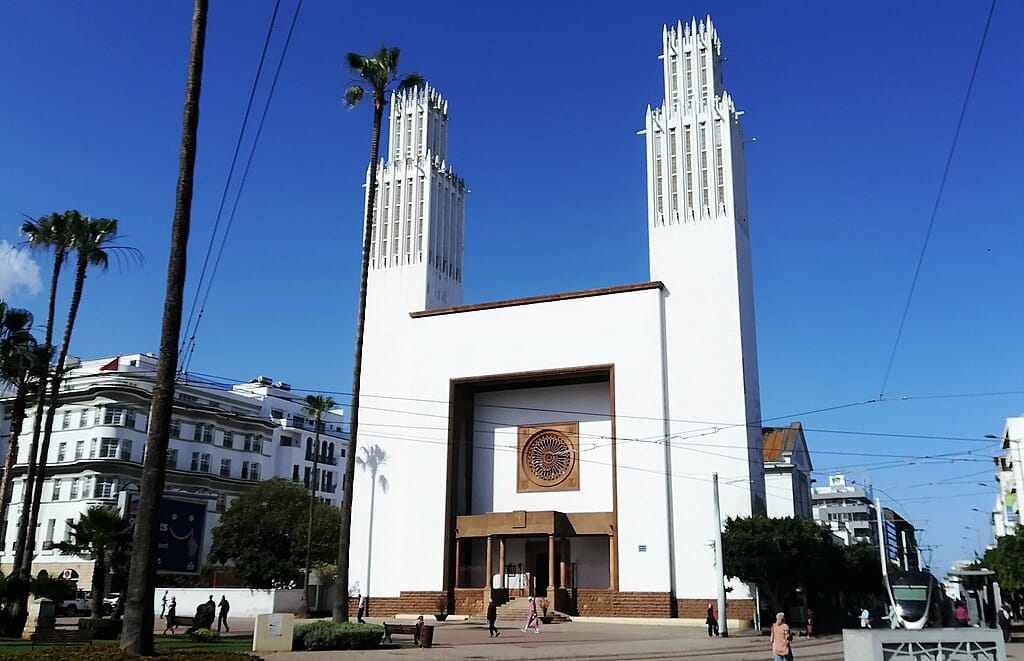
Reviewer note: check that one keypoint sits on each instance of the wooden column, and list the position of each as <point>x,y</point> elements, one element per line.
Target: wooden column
<point>551,564</point>
<point>458,548</point>
<point>501,560</point>
<point>563,563</point>
<point>613,563</point>
<point>487,565</point>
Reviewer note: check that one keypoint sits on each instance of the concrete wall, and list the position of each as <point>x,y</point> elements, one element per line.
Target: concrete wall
<point>245,603</point>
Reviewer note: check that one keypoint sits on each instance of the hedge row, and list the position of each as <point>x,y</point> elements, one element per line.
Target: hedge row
<point>327,635</point>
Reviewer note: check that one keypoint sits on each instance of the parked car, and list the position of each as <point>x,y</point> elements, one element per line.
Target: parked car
<point>78,604</point>
<point>109,602</point>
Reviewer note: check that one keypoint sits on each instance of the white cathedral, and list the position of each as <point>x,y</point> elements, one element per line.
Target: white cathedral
<point>562,446</point>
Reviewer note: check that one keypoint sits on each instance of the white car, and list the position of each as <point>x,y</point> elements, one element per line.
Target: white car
<point>80,603</point>
<point>109,602</point>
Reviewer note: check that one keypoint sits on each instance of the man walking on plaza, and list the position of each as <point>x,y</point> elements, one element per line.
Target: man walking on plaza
<point>222,617</point>
<point>492,617</point>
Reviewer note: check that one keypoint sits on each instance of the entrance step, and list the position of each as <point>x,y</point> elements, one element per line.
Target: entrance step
<point>518,608</point>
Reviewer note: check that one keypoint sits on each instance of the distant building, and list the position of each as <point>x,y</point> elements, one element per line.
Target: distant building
<point>901,540</point>
<point>1009,470</point>
<point>848,510</point>
<point>223,441</point>
<point>787,472</point>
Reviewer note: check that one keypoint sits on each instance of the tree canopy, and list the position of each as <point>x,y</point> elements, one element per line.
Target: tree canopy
<point>778,555</point>
<point>263,534</point>
<point>1006,559</point>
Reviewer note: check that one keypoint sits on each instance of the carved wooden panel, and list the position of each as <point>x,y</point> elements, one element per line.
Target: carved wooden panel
<point>549,457</point>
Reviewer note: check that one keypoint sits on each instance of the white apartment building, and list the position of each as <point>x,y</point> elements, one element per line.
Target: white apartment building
<point>848,510</point>
<point>1009,474</point>
<point>223,441</point>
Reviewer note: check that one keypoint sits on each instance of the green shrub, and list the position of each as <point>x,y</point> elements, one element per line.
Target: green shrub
<point>52,588</point>
<point>101,628</point>
<point>203,635</point>
<point>326,635</point>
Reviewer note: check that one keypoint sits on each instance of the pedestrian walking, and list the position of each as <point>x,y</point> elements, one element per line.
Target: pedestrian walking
<point>532,620</point>
<point>171,622</point>
<point>960,616</point>
<point>809,631</point>
<point>780,639</point>
<point>865,618</point>
<point>711,621</point>
<point>361,608</point>
<point>1004,622</point>
<point>492,617</point>
<point>163,605</point>
<point>222,616</point>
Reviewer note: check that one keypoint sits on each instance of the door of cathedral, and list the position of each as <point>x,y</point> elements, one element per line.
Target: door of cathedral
<point>538,562</point>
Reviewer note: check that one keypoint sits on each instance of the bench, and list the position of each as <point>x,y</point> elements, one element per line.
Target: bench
<point>181,621</point>
<point>61,637</point>
<point>404,629</point>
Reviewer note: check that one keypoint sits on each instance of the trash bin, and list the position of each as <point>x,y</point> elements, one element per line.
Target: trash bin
<point>426,635</point>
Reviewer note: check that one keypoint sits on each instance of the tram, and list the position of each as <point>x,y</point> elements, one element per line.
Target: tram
<point>918,600</point>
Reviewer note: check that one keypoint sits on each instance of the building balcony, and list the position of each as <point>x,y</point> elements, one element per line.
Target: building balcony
<point>330,460</point>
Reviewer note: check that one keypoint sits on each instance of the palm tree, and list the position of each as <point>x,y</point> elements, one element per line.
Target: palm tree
<point>316,406</point>
<point>376,74</point>
<point>91,239</point>
<point>18,349</point>
<point>101,534</point>
<point>137,632</point>
<point>373,458</point>
<point>23,366</point>
<point>47,233</point>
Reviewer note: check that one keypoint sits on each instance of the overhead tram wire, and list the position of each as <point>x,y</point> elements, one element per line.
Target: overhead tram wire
<point>241,185</point>
<point>187,334</point>
<point>938,200</point>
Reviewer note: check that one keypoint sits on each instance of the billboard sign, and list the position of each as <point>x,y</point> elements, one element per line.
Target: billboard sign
<point>180,535</point>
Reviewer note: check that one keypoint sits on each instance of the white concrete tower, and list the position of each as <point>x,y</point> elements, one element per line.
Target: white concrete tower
<point>417,241</point>
<point>700,248</point>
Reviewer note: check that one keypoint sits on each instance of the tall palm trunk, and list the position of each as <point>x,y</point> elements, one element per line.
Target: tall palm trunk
<point>345,534</point>
<point>99,580</point>
<point>137,632</point>
<point>309,529</point>
<point>54,401</point>
<point>20,549</point>
<point>18,408</point>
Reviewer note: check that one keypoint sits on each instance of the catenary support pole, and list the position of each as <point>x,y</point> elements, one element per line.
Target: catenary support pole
<point>723,622</point>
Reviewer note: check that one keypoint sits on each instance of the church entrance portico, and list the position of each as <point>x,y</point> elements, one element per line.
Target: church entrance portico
<point>541,554</point>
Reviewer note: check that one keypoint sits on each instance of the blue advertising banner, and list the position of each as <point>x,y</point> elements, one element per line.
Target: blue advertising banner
<point>180,537</point>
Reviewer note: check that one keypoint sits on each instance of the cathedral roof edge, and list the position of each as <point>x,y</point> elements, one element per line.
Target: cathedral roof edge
<point>546,298</point>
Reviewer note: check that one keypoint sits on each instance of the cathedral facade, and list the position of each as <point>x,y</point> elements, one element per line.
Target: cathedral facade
<point>562,446</point>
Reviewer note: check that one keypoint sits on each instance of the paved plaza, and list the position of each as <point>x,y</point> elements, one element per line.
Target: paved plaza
<point>576,640</point>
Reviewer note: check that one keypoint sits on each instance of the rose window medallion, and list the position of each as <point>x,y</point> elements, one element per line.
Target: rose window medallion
<point>548,458</point>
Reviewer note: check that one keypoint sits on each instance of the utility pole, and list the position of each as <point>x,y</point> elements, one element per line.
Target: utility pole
<point>723,622</point>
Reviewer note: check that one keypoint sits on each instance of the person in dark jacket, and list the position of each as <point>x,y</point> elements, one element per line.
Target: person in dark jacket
<point>711,621</point>
<point>1004,622</point>
<point>492,617</point>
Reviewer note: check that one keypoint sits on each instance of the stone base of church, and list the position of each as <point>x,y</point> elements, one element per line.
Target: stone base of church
<point>589,603</point>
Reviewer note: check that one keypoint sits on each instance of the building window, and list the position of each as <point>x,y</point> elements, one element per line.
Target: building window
<point>74,489</point>
<point>172,459</point>
<point>48,540</point>
<point>295,473</point>
<point>61,450</point>
<point>83,418</point>
<point>66,422</point>
<point>106,487</point>
<point>298,422</point>
<point>203,433</point>
<point>67,529</point>
<point>222,503</point>
<point>175,428</point>
<point>225,468</point>
<point>286,441</point>
<point>200,462</point>
<point>305,480</point>
<point>55,494</point>
<point>125,453</point>
<point>79,449</point>
<point>108,448</point>
<point>250,471</point>
<point>229,439</point>
<point>119,416</point>
<point>276,414</point>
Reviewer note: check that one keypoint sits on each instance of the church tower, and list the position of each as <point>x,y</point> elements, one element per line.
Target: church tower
<point>416,243</point>
<point>699,246</point>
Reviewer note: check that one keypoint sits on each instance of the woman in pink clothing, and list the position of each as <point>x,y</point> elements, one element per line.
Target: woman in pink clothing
<point>780,639</point>
<point>532,620</point>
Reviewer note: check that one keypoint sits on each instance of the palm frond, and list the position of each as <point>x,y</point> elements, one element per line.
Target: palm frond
<point>355,61</point>
<point>410,81</point>
<point>353,95</point>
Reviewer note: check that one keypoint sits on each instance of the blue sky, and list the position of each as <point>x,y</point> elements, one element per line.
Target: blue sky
<point>853,106</point>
